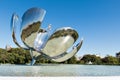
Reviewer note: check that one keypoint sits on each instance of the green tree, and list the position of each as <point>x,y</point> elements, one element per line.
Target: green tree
<point>110,60</point>
<point>72,60</point>
<point>93,58</point>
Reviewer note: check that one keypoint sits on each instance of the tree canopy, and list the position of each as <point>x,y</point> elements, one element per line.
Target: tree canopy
<point>21,56</point>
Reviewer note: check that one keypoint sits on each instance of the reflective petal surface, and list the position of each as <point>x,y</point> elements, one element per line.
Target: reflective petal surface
<point>31,22</point>
<point>15,26</point>
<point>60,41</point>
<point>70,54</point>
<point>41,40</point>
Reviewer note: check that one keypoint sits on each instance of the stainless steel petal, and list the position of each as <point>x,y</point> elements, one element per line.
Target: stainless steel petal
<point>31,22</point>
<point>14,26</point>
<point>70,54</point>
<point>41,40</point>
<point>60,41</point>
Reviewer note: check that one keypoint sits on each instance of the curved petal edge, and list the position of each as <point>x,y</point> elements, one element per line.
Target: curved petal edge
<point>69,54</point>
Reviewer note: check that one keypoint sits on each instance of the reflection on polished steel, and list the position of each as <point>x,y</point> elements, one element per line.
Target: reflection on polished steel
<point>56,47</point>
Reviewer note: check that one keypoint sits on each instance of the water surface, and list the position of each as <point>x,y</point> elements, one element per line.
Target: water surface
<point>59,70</point>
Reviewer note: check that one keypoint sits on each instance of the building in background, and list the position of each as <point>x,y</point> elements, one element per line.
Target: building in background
<point>118,55</point>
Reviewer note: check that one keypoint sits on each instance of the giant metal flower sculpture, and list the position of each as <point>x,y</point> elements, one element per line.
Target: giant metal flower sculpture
<point>56,47</point>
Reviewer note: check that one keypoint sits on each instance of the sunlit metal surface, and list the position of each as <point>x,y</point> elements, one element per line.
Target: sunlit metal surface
<point>13,28</point>
<point>39,41</point>
<point>60,41</point>
<point>70,54</point>
<point>31,22</point>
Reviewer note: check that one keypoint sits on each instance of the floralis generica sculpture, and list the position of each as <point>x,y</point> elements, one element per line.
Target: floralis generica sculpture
<point>57,46</point>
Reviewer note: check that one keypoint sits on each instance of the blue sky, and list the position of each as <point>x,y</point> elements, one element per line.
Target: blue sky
<point>97,21</point>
